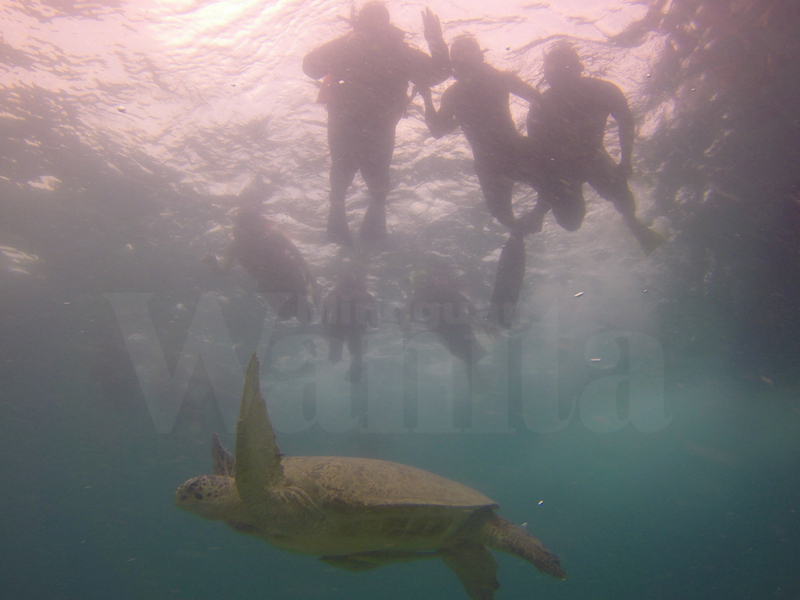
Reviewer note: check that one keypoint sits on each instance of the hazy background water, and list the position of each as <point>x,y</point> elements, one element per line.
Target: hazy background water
<point>129,130</point>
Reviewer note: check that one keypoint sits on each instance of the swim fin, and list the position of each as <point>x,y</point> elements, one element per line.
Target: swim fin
<point>373,227</point>
<point>508,281</point>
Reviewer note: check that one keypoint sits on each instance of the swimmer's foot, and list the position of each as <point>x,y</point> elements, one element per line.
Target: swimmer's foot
<point>373,228</point>
<point>338,231</point>
<point>648,239</point>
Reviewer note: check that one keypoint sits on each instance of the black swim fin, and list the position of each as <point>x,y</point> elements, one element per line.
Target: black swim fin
<point>508,281</point>
<point>648,239</point>
<point>337,231</point>
<point>373,227</point>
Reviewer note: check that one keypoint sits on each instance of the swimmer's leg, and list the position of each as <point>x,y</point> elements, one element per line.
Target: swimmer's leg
<point>354,346</point>
<point>533,221</point>
<point>559,189</point>
<point>606,179</point>
<point>497,191</point>
<point>375,164</point>
<point>344,165</point>
<point>569,206</point>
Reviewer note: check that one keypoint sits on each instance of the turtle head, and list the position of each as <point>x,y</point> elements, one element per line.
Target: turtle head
<point>212,497</point>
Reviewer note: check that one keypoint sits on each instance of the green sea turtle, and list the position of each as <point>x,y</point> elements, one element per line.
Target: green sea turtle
<point>354,513</point>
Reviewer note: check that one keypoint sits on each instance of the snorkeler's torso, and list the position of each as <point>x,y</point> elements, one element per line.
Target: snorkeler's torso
<point>481,108</point>
<point>571,119</point>
<point>370,75</point>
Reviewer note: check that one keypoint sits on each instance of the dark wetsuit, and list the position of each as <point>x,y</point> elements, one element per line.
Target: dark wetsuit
<point>479,104</point>
<point>567,130</point>
<point>368,75</point>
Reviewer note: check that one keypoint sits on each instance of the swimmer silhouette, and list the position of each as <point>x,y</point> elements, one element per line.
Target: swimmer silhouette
<point>272,260</point>
<point>567,128</point>
<point>478,103</point>
<point>347,312</point>
<point>365,83</point>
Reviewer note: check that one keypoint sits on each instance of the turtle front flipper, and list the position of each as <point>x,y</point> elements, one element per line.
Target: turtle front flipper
<point>475,566</point>
<point>501,535</point>
<point>259,472</point>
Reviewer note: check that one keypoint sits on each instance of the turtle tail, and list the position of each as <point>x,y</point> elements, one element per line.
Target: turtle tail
<point>501,535</point>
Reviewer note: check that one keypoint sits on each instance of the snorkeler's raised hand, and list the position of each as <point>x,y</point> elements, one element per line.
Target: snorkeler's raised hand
<point>433,28</point>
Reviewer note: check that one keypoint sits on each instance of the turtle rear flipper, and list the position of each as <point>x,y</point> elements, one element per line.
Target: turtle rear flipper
<point>475,566</point>
<point>501,535</point>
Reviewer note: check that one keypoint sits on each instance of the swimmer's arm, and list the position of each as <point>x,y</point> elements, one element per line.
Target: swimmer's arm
<point>425,70</point>
<point>440,56</point>
<point>523,89</point>
<point>319,62</point>
<point>443,121</point>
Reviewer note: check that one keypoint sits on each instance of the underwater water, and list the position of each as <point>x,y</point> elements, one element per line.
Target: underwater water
<point>642,417</point>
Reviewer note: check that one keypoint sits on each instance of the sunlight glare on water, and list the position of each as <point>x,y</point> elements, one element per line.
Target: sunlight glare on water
<point>189,74</point>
